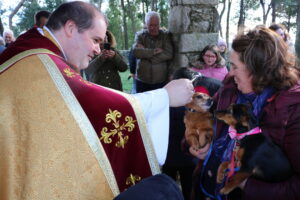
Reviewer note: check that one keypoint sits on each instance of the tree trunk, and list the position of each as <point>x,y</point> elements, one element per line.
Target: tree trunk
<point>241,22</point>
<point>265,12</point>
<point>297,43</point>
<point>147,5</point>
<point>12,14</point>
<point>100,4</point>
<point>131,16</point>
<point>1,27</point>
<point>154,5</point>
<point>220,19</point>
<point>227,23</point>
<point>124,25</point>
<point>273,5</point>
<point>288,27</point>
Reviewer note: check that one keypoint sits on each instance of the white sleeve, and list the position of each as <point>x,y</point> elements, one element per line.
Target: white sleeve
<point>155,105</point>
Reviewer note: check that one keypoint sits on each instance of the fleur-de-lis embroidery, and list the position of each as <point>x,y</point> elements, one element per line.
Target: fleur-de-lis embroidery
<point>112,117</point>
<point>132,180</point>
<point>69,73</point>
<point>85,81</point>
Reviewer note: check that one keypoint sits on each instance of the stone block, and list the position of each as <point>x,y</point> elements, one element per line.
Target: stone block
<point>179,20</point>
<point>195,42</point>
<point>180,60</point>
<point>194,2</point>
<point>204,19</point>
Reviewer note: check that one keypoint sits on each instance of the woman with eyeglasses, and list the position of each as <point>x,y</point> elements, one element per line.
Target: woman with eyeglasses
<point>210,63</point>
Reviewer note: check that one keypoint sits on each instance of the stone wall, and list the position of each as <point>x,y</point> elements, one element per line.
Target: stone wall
<point>194,24</point>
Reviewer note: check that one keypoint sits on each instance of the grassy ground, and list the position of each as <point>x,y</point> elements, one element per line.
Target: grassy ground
<point>127,84</point>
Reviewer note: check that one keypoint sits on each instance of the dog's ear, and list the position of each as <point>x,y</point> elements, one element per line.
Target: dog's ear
<point>245,121</point>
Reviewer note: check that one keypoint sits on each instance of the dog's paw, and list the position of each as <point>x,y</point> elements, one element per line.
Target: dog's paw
<point>224,191</point>
<point>222,171</point>
<point>220,177</point>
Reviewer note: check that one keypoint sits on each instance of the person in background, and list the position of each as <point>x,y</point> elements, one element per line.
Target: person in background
<point>2,45</point>
<point>104,69</point>
<point>262,75</point>
<point>179,161</point>
<point>210,63</point>
<point>132,67</point>
<point>153,49</point>
<point>63,137</point>
<point>8,36</point>
<point>224,51</point>
<point>41,18</point>
<point>281,30</point>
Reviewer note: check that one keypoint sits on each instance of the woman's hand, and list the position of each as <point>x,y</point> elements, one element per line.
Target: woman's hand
<point>108,53</point>
<point>200,153</point>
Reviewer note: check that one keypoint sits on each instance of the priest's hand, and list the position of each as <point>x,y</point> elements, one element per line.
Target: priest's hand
<point>180,92</point>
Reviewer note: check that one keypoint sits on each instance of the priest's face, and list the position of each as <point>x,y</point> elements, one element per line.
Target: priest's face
<point>83,46</point>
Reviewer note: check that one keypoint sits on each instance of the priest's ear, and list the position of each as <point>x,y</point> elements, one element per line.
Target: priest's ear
<point>70,28</point>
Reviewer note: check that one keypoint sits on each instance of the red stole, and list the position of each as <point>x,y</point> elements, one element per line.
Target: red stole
<point>111,115</point>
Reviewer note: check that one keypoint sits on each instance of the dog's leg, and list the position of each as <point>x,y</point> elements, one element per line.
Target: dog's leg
<point>237,179</point>
<point>221,171</point>
<point>191,137</point>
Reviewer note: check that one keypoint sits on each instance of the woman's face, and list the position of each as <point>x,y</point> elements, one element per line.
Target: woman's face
<point>281,33</point>
<point>222,48</point>
<point>241,74</point>
<point>209,58</point>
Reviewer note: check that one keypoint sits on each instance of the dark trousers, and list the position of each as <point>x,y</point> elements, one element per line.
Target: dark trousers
<point>158,187</point>
<point>186,175</point>
<point>144,87</point>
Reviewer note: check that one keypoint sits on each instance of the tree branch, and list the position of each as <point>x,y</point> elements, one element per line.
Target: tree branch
<point>12,14</point>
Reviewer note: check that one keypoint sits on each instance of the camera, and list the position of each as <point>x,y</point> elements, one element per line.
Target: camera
<point>106,46</point>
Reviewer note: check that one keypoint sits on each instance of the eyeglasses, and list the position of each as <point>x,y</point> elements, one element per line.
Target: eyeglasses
<point>209,56</point>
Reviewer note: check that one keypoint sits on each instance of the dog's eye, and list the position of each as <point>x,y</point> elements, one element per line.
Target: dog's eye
<point>199,97</point>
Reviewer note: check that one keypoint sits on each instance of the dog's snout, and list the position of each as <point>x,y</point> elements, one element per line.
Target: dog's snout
<point>209,102</point>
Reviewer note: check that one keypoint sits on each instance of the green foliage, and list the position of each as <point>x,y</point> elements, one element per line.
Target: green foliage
<point>51,5</point>
<point>286,9</point>
<point>163,10</point>
<point>28,11</point>
<point>114,15</point>
<point>27,16</point>
<point>127,84</point>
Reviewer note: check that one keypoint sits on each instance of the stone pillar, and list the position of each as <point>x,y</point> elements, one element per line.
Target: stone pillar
<point>194,24</point>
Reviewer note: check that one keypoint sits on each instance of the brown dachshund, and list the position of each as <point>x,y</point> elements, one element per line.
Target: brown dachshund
<point>198,121</point>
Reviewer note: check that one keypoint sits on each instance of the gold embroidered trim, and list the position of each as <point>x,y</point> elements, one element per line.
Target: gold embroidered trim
<point>19,56</point>
<point>112,117</point>
<point>69,73</point>
<point>72,74</point>
<point>82,120</point>
<point>132,179</point>
<point>155,169</point>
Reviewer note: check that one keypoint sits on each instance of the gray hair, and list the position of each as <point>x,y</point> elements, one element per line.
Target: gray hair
<point>151,14</point>
<point>8,32</point>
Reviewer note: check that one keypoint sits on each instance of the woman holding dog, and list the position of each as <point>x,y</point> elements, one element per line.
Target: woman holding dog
<point>262,74</point>
<point>211,63</point>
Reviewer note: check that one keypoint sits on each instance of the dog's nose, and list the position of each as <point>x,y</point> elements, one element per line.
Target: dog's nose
<point>209,102</point>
